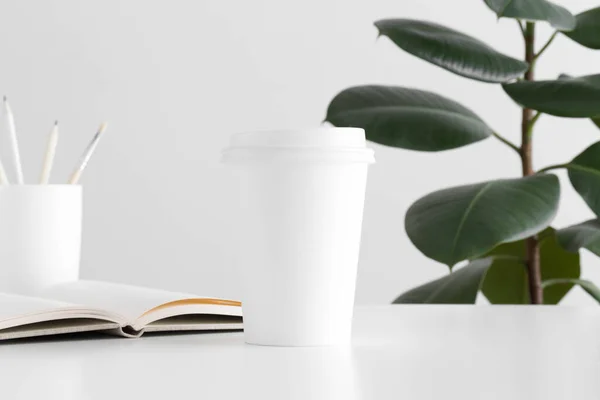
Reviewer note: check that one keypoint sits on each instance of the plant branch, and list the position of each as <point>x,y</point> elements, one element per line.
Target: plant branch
<point>533,121</point>
<point>551,167</point>
<point>521,27</point>
<point>507,142</point>
<point>531,124</point>
<point>532,244</point>
<point>543,49</point>
<point>527,119</point>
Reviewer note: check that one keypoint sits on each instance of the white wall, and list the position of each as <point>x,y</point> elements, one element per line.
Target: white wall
<point>175,78</point>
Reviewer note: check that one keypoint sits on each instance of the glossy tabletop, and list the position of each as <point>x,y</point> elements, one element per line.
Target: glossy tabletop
<point>398,352</point>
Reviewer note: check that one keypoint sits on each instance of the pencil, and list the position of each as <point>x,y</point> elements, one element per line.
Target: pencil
<point>3,177</point>
<point>49,158</point>
<point>10,119</point>
<point>87,154</point>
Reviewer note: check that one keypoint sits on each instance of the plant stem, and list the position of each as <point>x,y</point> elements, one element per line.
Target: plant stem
<point>533,121</point>
<point>539,53</point>
<point>507,142</point>
<point>521,27</point>
<point>548,168</point>
<point>532,244</point>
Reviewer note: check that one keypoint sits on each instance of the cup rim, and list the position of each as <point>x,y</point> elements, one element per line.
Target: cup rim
<point>322,137</point>
<point>37,185</point>
<point>283,154</point>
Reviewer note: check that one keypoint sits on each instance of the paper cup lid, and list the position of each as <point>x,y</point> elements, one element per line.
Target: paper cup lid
<point>323,144</point>
<point>324,138</point>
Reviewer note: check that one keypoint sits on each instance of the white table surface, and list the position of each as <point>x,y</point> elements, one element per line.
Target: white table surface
<point>398,352</point>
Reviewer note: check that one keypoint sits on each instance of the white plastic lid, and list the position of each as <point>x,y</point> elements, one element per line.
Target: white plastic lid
<point>326,144</point>
<point>323,138</point>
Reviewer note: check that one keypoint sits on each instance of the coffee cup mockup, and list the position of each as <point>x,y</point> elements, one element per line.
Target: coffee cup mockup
<point>298,224</point>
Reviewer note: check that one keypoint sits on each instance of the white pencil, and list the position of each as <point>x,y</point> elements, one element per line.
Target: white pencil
<point>10,120</point>
<point>49,158</point>
<point>3,177</point>
<point>87,154</point>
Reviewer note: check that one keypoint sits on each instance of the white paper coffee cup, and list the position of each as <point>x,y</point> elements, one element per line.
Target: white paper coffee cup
<point>301,198</point>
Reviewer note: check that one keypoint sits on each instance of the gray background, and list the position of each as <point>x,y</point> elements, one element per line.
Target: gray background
<point>175,79</point>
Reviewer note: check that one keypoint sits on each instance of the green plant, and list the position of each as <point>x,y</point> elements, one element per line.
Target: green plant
<point>500,227</point>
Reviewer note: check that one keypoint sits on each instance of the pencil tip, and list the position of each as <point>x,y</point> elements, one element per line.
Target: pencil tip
<point>56,122</point>
<point>102,127</point>
<point>5,99</point>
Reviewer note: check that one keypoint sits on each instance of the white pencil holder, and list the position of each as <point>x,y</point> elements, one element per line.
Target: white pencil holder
<point>40,236</point>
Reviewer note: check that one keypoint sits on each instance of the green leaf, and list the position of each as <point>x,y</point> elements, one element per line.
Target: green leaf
<point>451,50</point>
<point>534,10</point>
<point>577,97</point>
<point>588,286</point>
<point>583,235</point>
<point>464,222</point>
<point>595,120</point>
<point>587,31</point>
<point>507,280</point>
<point>459,287</point>
<point>584,173</point>
<point>407,118</point>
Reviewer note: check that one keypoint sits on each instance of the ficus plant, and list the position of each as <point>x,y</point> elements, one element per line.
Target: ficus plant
<point>500,229</point>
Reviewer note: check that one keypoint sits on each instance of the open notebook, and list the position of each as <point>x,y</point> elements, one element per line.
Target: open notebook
<point>123,310</point>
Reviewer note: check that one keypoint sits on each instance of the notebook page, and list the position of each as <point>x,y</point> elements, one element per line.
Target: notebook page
<point>14,306</point>
<point>126,300</point>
